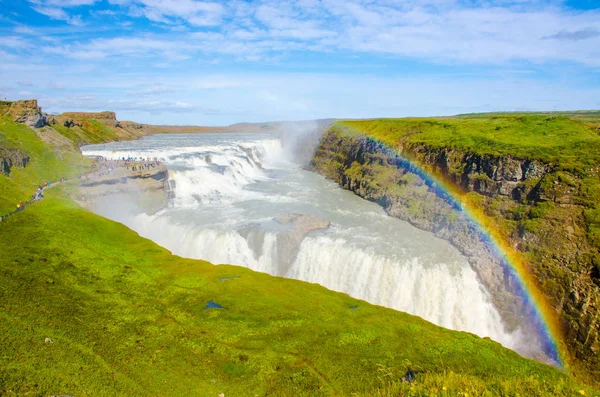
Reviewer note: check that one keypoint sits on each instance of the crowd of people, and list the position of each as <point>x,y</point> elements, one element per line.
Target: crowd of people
<point>104,167</point>
<point>107,166</point>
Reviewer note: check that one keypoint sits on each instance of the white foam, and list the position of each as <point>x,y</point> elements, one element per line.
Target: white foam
<point>364,254</point>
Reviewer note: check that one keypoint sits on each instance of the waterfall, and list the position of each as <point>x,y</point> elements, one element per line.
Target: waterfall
<point>227,191</point>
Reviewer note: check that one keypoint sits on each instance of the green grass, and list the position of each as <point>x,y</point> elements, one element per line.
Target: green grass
<point>91,131</point>
<point>585,115</point>
<point>46,164</point>
<point>570,144</point>
<point>127,318</point>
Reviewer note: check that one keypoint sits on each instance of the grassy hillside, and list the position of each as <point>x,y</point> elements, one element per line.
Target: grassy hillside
<point>48,162</point>
<point>84,129</point>
<point>125,317</point>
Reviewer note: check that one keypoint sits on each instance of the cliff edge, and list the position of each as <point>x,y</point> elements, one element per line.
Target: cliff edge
<point>536,179</point>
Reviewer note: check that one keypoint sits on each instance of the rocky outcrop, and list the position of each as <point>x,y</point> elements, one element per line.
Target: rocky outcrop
<point>109,116</point>
<point>72,119</point>
<point>12,158</point>
<point>544,208</point>
<point>114,182</point>
<point>26,112</point>
<point>485,174</point>
<point>290,232</point>
<point>288,241</point>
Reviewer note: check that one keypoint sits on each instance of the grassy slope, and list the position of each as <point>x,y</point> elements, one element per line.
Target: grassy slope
<point>92,131</point>
<point>89,131</point>
<point>127,318</point>
<point>46,164</point>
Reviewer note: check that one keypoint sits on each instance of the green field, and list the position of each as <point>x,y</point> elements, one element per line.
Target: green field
<point>125,317</point>
<point>573,145</point>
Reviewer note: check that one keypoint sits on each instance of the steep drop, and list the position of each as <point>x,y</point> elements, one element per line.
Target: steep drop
<point>228,194</point>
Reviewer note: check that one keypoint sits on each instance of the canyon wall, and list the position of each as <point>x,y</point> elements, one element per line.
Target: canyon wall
<point>543,209</point>
<point>12,158</point>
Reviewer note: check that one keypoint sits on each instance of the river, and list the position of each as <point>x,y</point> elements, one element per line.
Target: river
<point>227,191</point>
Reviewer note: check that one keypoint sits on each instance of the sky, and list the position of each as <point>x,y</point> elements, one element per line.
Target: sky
<point>191,62</point>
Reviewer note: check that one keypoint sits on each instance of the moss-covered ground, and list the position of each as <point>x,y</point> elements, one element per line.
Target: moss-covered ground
<point>127,317</point>
<point>123,316</point>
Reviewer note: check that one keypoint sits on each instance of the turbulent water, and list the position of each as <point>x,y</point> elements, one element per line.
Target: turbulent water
<point>226,190</point>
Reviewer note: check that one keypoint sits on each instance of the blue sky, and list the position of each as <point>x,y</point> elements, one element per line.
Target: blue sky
<point>215,63</point>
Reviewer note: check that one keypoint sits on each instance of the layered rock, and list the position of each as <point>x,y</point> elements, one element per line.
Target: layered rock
<point>26,112</point>
<point>12,158</point>
<point>484,174</point>
<point>127,184</point>
<point>544,207</point>
<point>288,241</point>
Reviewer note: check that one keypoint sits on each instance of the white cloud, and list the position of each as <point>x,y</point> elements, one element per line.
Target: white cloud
<point>197,13</point>
<point>14,42</point>
<point>154,90</point>
<point>59,14</point>
<point>22,29</point>
<point>442,31</point>
<point>158,106</point>
<point>52,12</point>
<point>56,86</point>
<point>62,3</point>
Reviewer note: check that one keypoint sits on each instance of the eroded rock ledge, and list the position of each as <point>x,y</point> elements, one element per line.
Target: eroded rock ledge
<point>26,112</point>
<point>543,205</point>
<point>145,187</point>
<point>12,158</point>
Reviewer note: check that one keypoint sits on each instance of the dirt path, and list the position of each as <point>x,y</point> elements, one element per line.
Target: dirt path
<point>104,168</point>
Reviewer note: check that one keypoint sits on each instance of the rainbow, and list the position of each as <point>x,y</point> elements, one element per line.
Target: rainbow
<point>542,315</point>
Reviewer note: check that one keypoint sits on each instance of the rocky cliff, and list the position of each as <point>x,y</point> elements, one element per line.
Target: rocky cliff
<point>112,183</point>
<point>543,210</point>
<point>11,158</point>
<point>26,112</point>
<point>108,116</point>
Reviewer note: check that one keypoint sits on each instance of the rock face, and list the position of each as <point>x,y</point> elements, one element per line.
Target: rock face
<point>290,234</point>
<point>288,241</point>
<point>126,184</point>
<point>484,174</point>
<point>12,158</point>
<point>545,208</point>
<point>26,112</point>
